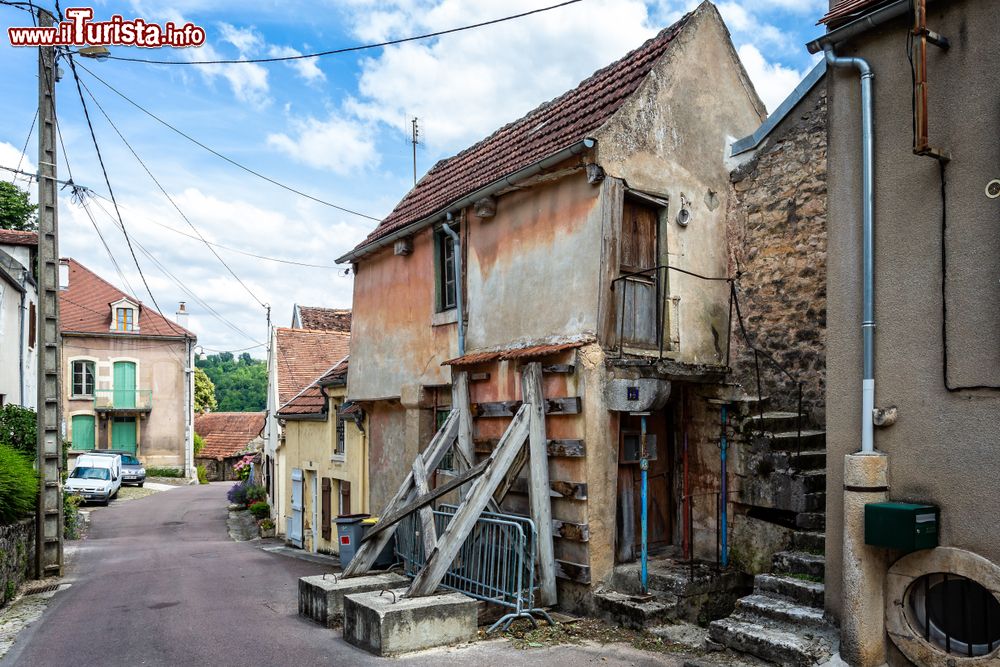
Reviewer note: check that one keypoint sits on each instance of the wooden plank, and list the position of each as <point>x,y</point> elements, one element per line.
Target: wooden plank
<point>557,489</point>
<point>466,465</point>
<point>538,476</point>
<point>427,531</point>
<point>554,369</point>
<point>370,549</point>
<point>573,532</point>
<point>511,477</point>
<point>572,571</point>
<point>479,377</point>
<point>460,402</point>
<point>612,196</point>
<point>569,405</point>
<point>390,520</point>
<point>464,521</point>
<point>568,448</point>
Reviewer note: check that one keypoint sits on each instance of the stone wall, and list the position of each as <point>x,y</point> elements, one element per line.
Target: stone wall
<point>777,244</point>
<point>17,557</point>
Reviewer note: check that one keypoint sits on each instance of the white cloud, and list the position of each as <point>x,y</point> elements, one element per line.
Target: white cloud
<point>341,145</point>
<point>773,81</point>
<point>10,156</point>
<point>246,40</point>
<point>307,68</point>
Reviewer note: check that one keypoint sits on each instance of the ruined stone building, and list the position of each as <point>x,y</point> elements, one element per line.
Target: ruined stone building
<point>593,239</point>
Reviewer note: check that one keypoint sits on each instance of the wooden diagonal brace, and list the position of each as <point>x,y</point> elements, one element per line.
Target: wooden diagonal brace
<point>538,481</point>
<point>427,531</point>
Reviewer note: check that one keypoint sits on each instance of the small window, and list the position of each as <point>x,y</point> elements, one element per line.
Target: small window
<point>445,271</point>
<point>339,449</point>
<point>957,614</point>
<point>83,378</point>
<point>125,319</point>
<point>32,325</point>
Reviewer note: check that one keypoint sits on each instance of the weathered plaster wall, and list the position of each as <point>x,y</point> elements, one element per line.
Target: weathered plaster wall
<point>942,450</point>
<point>390,455</point>
<point>159,367</point>
<point>777,239</point>
<point>671,139</point>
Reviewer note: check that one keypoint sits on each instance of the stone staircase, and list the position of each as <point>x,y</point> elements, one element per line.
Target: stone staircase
<point>782,621</point>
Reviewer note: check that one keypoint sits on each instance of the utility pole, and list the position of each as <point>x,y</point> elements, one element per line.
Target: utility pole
<point>49,516</point>
<point>415,134</point>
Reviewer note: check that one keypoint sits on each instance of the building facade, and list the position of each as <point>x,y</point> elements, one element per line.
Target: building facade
<point>18,318</point>
<point>228,437</point>
<point>128,380</point>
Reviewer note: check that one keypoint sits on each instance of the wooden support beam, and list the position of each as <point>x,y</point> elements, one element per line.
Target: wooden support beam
<point>511,477</point>
<point>460,402</point>
<point>556,448</point>
<point>554,369</point>
<point>427,531</point>
<point>573,571</point>
<point>479,377</point>
<point>451,540</point>
<point>538,478</point>
<point>370,549</point>
<point>467,465</point>
<point>569,405</point>
<point>390,520</point>
<point>572,532</point>
<point>557,489</point>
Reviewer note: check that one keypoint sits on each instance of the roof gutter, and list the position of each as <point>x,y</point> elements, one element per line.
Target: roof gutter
<point>858,26</point>
<point>485,191</point>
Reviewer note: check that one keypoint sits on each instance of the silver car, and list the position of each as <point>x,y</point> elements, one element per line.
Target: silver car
<point>133,471</point>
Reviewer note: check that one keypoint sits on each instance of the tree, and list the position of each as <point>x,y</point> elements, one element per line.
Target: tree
<point>16,210</point>
<point>204,392</point>
<point>240,383</point>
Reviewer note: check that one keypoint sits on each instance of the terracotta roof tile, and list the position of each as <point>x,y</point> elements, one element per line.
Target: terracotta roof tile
<point>303,355</point>
<point>227,434</point>
<point>311,401</point>
<point>325,319</point>
<point>847,10</point>
<point>528,352</point>
<point>553,126</point>
<point>16,237</point>
<point>85,307</point>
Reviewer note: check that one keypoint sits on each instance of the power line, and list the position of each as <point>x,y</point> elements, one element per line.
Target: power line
<point>27,140</point>
<point>171,199</point>
<point>224,157</point>
<point>348,49</point>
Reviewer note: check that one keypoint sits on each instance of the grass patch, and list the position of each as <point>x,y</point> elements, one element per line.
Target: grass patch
<point>164,472</point>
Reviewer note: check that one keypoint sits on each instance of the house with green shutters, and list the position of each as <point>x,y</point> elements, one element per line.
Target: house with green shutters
<point>127,372</point>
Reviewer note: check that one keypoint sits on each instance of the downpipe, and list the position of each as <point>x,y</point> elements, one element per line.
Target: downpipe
<point>644,468</point>
<point>457,242</point>
<point>868,243</point>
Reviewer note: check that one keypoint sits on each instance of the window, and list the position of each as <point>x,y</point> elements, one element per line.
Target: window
<point>445,271</point>
<point>959,615</point>
<point>83,378</point>
<point>125,319</point>
<point>338,447</point>
<point>32,325</point>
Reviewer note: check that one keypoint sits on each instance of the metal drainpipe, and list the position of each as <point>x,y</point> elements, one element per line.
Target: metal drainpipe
<point>723,514</point>
<point>20,343</point>
<point>457,243</point>
<point>868,243</point>
<point>644,468</point>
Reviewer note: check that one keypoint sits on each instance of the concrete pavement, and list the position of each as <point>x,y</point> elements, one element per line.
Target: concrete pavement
<point>159,582</point>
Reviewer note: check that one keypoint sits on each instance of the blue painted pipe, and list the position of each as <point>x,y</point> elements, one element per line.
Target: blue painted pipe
<point>644,467</point>
<point>723,497</point>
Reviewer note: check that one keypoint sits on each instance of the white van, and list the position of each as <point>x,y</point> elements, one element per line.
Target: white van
<point>96,477</point>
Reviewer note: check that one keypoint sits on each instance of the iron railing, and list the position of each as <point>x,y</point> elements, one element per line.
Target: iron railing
<point>496,564</point>
<point>106,400</point>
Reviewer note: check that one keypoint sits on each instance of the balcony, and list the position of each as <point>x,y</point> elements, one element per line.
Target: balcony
<point>123,401</point>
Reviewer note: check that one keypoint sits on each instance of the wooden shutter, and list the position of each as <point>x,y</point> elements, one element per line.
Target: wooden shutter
<point>326,514</point>
<point>638,243</point>
<point>345,496</point>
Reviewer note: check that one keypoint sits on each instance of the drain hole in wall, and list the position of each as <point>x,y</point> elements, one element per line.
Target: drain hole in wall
<point>956,614</point>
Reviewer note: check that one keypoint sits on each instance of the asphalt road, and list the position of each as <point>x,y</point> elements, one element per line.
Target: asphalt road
<point>159,582</point>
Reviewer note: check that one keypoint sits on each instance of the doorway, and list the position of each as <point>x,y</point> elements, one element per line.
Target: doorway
<point>659,444</point>
<point>123,434</point>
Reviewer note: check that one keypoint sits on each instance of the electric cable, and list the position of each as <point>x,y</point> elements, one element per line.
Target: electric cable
<point>24,150</point>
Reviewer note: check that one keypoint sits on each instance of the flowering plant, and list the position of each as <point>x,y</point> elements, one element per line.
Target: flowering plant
<point>242,467</point>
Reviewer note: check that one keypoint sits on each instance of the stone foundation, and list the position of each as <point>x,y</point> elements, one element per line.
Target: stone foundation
<point>321,597</point>
<point>387,624</point>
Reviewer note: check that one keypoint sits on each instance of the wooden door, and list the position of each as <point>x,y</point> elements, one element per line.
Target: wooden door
<point>638,241</point>
<point>123,435</point>
<point>659,501</point>
<point>124,379</point>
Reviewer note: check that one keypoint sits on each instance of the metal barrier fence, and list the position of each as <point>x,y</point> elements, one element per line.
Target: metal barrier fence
<point>496,564</point>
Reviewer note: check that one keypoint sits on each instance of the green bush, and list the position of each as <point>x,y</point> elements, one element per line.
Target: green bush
<point>199,444</point>
<point>202,474</point>
<point>71,515</point>
<point>260,510</point>
<point>164,472</point>
<point>18,485</point>
<point>255,493</point>
<point>17,428</point>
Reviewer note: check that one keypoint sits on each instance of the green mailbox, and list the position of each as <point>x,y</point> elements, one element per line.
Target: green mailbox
<point>903,526</point>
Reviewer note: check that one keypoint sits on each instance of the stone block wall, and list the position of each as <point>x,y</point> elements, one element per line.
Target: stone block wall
<point>17,557</point>
<point>777,243</point>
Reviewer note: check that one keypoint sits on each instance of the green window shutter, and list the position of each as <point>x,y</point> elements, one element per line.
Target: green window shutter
<point>83,432</point>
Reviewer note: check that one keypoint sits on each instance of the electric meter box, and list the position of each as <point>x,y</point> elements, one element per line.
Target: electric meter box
<point>903,526</point>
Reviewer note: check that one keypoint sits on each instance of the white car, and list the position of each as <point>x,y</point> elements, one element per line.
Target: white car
<point>94,480</point>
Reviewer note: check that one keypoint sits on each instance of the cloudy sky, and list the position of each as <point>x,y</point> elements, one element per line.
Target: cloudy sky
<point>337,128</point>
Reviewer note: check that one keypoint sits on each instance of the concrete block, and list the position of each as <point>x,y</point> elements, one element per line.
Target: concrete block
<point>389,625</point>
<point>321,597</point>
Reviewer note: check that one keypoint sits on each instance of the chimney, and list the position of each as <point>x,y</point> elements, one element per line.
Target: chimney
<point>181,316</point>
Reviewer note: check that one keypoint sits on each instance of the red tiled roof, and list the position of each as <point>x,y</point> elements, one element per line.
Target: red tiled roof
<point>227,434</point>
<point>311,401</point>
<point>515,353</point>
<point>16,237</point>
<point>303,355</point>
<point>85,307</point>
<point>327,319</point>
<point>846,10</point>
<point>553,126</point>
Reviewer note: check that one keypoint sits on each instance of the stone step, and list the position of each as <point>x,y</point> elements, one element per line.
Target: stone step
<point>778,644</point>
<point>813,502</point>
<point>778,609</point>
<point>772,421</point>
<point>796,590</point>
<point>790,441</point>
<point>632,612</point>
<point>807,461</point>
<point>809,541</point>
<point>793,492</point>
<point>799,562</point>
<point>811,520</point>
